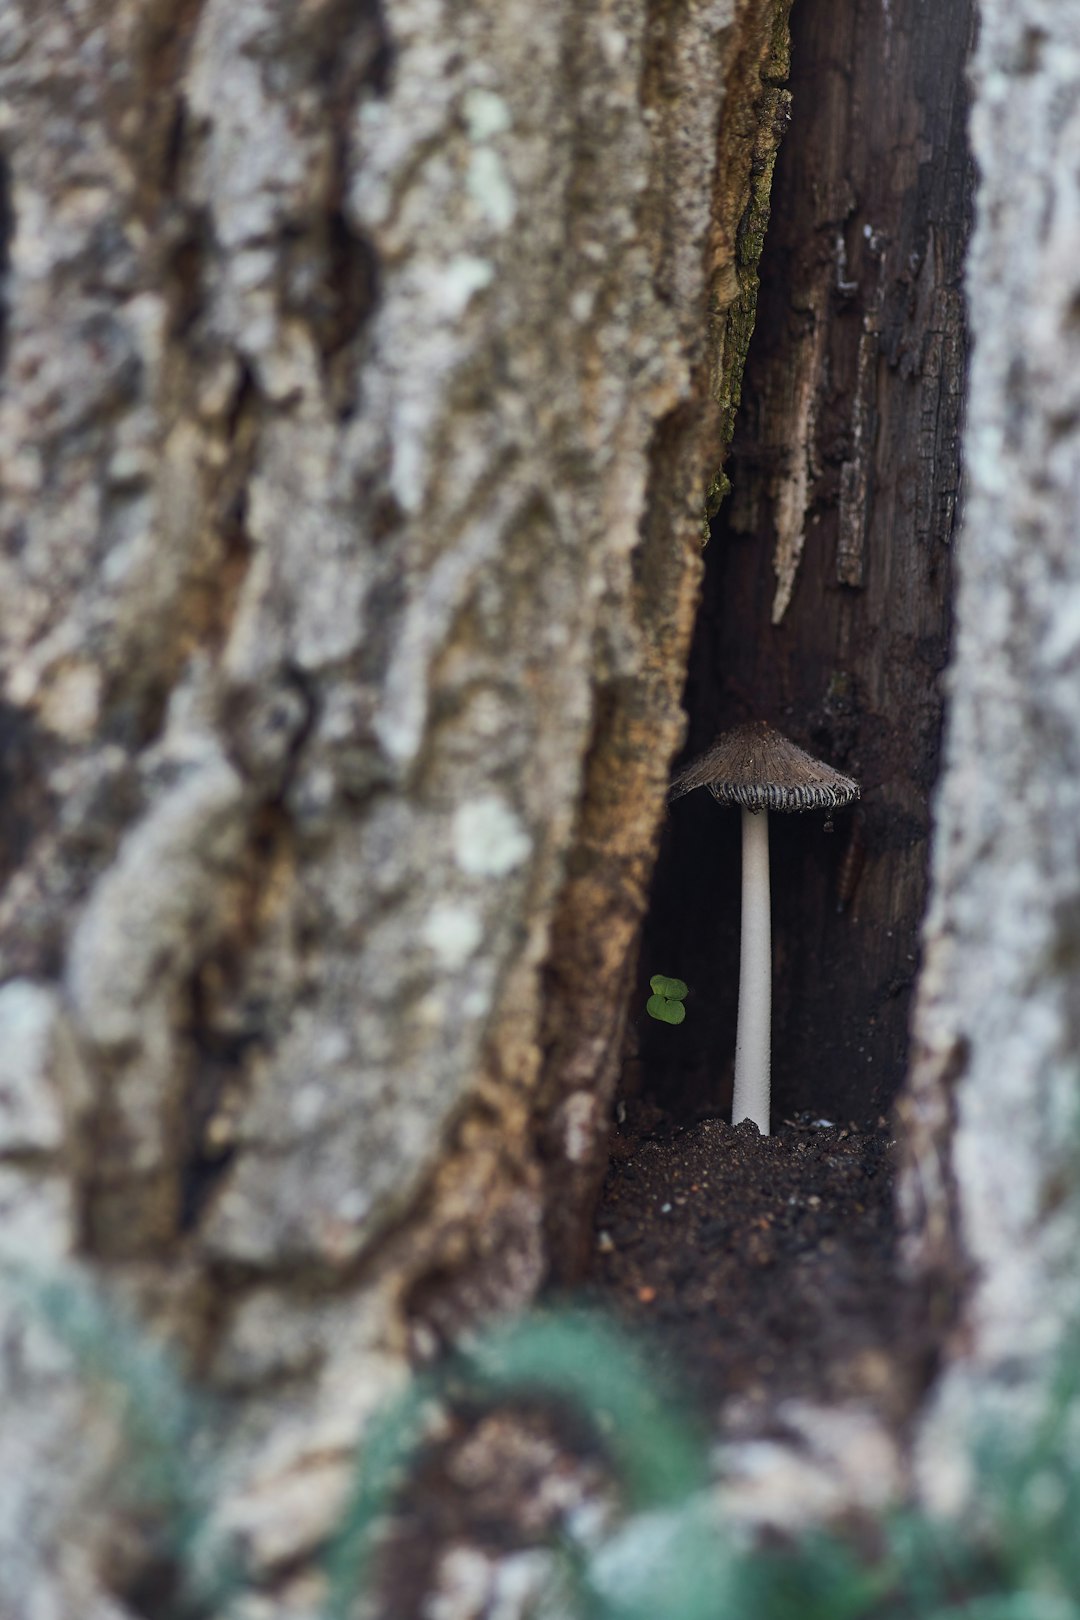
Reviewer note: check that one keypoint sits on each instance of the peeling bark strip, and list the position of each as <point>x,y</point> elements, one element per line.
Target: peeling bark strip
<point>994,1091</point>
<point>359,407</point>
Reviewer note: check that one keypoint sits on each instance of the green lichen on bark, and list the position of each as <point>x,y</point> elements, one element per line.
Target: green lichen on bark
<point>754,126</point>
<point>738,318</point>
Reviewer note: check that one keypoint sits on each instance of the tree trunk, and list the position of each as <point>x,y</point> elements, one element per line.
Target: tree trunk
<point>366,369</point>
<point>993,1191</point>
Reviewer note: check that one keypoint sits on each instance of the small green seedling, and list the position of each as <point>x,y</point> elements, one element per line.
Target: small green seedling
<point>666,1001</point>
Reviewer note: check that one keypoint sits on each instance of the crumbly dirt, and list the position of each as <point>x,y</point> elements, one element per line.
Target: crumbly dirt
<point>760,1267</point>
<point>753,1268</point>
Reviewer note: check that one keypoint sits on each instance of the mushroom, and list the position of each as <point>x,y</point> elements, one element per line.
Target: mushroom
<point>760,770</point>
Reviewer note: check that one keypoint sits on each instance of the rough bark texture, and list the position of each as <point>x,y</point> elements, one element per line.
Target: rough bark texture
<point>994,1189</point>
<point>826,605</point>
<point>360,405</point>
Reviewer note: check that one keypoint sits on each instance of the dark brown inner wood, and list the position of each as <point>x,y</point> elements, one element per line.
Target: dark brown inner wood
<point>856,372</point>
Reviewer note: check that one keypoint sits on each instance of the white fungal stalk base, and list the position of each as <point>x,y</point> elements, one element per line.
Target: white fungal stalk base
<point>752,1037</point>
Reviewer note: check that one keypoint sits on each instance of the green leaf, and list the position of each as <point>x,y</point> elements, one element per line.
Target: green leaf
<point>672,989</point>
<point>668,1012</point>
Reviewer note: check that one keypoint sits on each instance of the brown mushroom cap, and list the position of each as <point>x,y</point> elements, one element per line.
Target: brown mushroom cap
<point>758,768</point>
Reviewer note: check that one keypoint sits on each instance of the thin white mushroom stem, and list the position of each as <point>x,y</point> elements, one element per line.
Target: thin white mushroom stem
<point>752,1035</point>
<point>755,766</point>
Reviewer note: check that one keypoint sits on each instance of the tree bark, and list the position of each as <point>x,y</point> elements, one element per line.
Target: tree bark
<point>992,1192</point>
<point>366,369</point>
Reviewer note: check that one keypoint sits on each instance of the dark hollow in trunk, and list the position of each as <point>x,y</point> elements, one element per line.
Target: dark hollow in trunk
<point>848,435</point>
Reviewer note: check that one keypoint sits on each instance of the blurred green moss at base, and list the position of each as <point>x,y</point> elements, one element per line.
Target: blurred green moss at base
<point>668,1558</point>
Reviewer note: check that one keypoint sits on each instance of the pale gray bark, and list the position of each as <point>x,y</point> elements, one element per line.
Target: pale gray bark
<point>361,399</point>
<point>993,1192</point>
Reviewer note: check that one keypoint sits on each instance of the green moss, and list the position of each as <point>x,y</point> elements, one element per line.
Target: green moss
<point>733,324</point>
<point>714,499</point>
<point>778,68</point>
<point>737,324</point>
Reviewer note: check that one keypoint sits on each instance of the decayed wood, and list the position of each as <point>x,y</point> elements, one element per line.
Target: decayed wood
<point>827,583</point>
<point>360,405</point>
<point>603,900</point>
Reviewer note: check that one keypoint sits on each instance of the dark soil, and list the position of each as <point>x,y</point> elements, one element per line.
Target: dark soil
<point>760,1267</point>
<point>754,1268</point>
